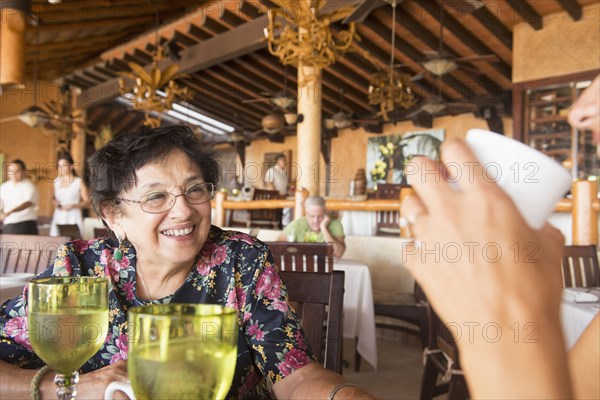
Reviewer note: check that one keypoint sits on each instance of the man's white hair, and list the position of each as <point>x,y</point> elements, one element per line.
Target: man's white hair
<point>314,201</point>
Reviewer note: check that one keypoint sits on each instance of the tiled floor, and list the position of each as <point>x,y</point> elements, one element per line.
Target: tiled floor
<point>399,369</point>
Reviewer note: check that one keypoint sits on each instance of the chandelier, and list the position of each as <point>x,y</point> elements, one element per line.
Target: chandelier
<point>154,91</point>
<point>311,43</point>
<point>389,91</point>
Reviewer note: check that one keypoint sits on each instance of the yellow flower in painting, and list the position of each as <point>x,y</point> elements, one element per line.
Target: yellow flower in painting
<point>390,146</point>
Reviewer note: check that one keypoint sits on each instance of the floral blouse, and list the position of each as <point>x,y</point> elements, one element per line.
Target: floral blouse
<point>232,269</point>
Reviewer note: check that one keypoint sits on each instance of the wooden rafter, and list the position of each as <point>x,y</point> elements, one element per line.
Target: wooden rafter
<point>528,13</point>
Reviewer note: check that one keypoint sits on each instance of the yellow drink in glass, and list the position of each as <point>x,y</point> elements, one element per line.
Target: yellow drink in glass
<point>67,320</point>
<point>182,351</point>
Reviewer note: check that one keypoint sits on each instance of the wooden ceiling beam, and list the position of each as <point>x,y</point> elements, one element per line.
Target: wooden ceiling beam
<point>433,41</point>
<point>140,21</point>
<point>573,8</point>
<point>245,39</point>
<point>218,88</point>
<point>328,99</point>
<point>383,58</point>
<point>241,86</point>
<point>491,22</point>
<point>249,10</point>
<point>435,10</point>
<point>528,13</point>
<point>415,55</point>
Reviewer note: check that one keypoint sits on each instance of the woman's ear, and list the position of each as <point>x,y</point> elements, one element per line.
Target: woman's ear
<point>112,218</point>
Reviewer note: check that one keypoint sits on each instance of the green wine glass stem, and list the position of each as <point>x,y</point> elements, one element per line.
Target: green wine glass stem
<point>67,386</point>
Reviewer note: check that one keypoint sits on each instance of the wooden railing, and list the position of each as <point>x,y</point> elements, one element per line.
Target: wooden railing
<point>584,208</point>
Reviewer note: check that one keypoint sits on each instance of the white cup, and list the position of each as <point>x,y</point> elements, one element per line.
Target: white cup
<point>290,237</point>
<point>117,386</point>
<point>534,181</point>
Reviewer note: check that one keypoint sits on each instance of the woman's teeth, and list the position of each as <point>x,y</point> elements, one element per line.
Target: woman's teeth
<point>178,232</point>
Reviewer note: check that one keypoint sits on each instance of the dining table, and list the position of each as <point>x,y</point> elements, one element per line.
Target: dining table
<point>11,285</point>
<point>359,314</point>
<point>578,308</point>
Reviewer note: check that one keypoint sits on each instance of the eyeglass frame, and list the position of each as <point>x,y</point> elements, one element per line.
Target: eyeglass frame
<point>175,196</point>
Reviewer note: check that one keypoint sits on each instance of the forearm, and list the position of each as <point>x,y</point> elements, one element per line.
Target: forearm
<point>315,382</point>
<point>15,382</point>
<point>20,207</point>
<point>533,359</point>
<point>339,245</point>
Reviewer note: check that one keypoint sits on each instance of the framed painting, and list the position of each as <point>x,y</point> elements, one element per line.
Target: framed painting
<point>386,155</point>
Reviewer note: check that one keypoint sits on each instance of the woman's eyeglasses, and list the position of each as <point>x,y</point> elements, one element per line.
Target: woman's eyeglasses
<point>159,202</point>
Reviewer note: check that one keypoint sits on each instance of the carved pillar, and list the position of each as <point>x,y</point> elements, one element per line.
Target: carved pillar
<point>309,131</point>
<point>12,42</point>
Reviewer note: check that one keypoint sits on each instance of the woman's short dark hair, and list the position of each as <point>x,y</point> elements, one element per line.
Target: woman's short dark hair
<point>112,169</point>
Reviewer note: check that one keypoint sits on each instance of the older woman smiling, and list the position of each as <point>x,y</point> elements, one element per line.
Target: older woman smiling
<point>153,189</point>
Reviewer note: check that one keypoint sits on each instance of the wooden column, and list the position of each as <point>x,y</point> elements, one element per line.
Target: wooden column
<point>220,197</point>
<point>301,195</point>
<point>585,212</point>
<point>309,131</point>
<point>78,146</point>
<point>12,43</point>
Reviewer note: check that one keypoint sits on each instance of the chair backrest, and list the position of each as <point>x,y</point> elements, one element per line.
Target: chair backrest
<point>388,191</point>
<point>265,217</point>
<point>28,253</point>
<point>70,230</point>
<point>580,266</point>
<point>388,221</point>
<point>318,299</point>
<point>311,257</point>
<point>100,232</point>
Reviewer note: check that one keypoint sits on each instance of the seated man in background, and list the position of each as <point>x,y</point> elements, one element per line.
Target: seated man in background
<point>316,227</point>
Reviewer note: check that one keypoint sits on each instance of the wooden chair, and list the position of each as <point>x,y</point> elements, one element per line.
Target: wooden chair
<point>318,300</point>
<point>580,266</point>
<point>387,221</point>
<point>312,257</point>
<point>409,311</point>
<point>262,218</point>
<point>101,232</point>
<point>441,359</point>
<point>70,230</point>
<point>28,253</point>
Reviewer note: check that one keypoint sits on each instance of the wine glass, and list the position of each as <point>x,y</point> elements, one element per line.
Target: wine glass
<point>67,321</point>
<point>182,351</point>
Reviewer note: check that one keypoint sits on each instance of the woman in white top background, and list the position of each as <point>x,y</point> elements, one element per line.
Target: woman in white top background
<point>70,196</point>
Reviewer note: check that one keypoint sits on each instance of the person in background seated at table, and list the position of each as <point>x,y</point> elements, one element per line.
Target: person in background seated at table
<point>509,292</point>
<point>18,201</point>
<point>153,188</point>
<point>316,226</point>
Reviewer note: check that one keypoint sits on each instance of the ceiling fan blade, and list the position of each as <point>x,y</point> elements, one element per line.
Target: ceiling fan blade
<point>363,10</point>
<point>433,54</point>
<point>482,58</point>
<point>419,76</point>
<point>256,101</point>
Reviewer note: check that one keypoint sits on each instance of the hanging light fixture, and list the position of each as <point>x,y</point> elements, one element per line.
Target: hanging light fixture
<point>311,43</point>
<point>388,90</point>
<point>155,91</point>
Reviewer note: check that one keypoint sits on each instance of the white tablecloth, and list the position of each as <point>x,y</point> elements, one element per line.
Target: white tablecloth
<point>12,285</point>
<point>575,317</point>
<point>359,315</point>
<point>359,223</point>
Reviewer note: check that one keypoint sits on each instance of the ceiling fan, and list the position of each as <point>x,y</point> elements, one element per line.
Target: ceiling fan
<point>440,62</point>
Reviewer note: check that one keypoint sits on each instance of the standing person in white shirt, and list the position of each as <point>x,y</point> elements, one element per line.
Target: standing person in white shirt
<point>19,201</point>
<point>276,178</point>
